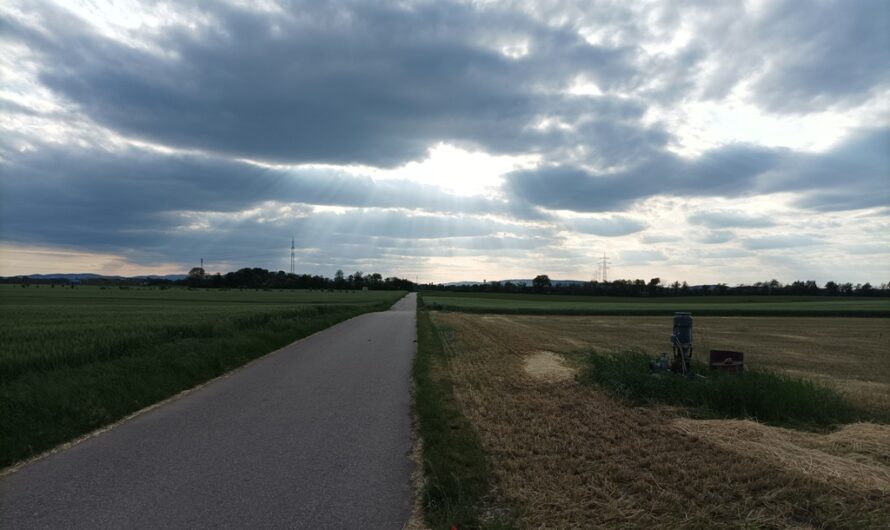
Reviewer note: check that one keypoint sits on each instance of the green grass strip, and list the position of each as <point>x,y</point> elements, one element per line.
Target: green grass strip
<point>456,469</point>
<point>771,398</point>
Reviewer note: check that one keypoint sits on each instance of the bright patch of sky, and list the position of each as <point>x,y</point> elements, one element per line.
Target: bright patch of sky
<point>456,170</point>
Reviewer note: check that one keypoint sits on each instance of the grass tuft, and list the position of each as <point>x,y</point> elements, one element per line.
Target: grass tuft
<point>768,397</point>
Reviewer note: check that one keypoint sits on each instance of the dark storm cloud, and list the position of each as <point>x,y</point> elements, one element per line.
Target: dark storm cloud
<point>351,83</point>
<point>852,175</point>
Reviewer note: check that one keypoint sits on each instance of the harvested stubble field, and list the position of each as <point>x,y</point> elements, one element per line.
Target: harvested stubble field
<point>76,359</point>
<point>568,455</point>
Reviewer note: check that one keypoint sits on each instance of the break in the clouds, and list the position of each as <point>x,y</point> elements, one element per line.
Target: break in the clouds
<point>451,140</point>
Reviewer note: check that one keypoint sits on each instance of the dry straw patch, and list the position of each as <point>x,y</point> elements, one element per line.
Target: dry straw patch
<point>856,455</point>
<point>569,456</point>
<point>548,366</point>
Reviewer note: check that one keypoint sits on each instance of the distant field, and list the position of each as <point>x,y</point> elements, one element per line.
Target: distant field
<point>75,359</point>
<point>531,304</point>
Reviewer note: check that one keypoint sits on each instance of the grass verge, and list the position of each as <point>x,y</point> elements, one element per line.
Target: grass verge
<point>43,408</point>
<point>768,397</point>
<point>457,474</point>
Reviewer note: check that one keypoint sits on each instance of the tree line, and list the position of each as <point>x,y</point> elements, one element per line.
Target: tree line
<point>655,287</point>
<point>258,278</point>
<point>246,278</point>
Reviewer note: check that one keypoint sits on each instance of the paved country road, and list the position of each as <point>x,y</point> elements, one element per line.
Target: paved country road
<point>315,435</point>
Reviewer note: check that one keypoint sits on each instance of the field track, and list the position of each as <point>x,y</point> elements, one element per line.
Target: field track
<point>315,435</point>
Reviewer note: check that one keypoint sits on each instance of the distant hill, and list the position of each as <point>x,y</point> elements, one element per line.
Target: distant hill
<point>528,282</point>
<point>89,276</point>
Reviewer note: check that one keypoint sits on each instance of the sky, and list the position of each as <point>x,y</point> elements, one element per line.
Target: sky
<point>699,141</point>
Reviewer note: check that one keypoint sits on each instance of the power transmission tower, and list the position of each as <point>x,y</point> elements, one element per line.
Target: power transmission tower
<point>604,265</point>
<point>293,257</point>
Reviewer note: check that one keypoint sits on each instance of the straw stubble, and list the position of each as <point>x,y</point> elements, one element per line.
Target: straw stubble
<point>569,456</point>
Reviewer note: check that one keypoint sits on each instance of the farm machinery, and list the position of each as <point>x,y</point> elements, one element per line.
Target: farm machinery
<point>680,362</point>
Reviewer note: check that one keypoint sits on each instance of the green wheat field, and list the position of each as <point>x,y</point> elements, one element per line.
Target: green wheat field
<point>76,359</point>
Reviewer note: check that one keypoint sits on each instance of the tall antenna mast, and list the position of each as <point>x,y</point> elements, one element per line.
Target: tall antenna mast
<point>293,257</point>
<point>604,263</point>
<point>202,263</point>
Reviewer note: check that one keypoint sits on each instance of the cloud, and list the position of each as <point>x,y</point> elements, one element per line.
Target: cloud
<point>821,57</point>
<point>641,257</point>
<point>374,84</point>
<point>399,225</point>
<point>650,239</point>
<point>728,171</point>
<point>162,208</point>
<point>729,218</point>
<point>54,186</point>
<point>612,226</point>
<point>221,130</point>
<point>724,253</point>
<point>779,242</point>
<point>715,237</point>
<point>856,169</point>
<point>854,174</point>
<point>783,58</point>
<point>779,57</point>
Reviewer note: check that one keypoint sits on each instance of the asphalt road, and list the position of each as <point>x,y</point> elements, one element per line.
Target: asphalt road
<point>315,435</point>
